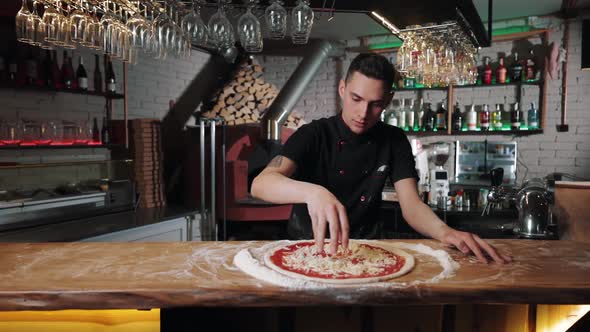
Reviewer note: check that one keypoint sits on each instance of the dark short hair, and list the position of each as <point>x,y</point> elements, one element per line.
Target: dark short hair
<point>373,65</point>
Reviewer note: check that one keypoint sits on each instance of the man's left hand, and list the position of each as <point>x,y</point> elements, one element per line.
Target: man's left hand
<point>471,243</point>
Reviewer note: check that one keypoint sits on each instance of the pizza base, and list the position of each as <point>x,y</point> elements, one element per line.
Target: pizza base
<point>407,267</point>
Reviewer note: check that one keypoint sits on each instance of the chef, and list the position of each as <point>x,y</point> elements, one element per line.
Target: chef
<point>333,170</point>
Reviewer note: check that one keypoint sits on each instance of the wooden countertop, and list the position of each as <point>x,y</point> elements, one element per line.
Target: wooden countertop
<point>48,276</point>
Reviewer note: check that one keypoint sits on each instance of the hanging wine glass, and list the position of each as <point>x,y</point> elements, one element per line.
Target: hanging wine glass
<point>276,20</point>
<point>137,28</point>
<point>109,34</point>
<point>221,32</point>
<point>93,34</point>
<point>35,27</point>
<point>22,17</point>
<point>301,22</point>
<point>180,45</point>
<point>77,24</point>
<point>64,32</point>
<point>194,27</point>
<point>249,30</point>
<point>166,34</point>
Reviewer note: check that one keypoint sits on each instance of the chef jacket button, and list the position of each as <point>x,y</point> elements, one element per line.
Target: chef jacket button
<point>363,198</point>
<point>341,172</point>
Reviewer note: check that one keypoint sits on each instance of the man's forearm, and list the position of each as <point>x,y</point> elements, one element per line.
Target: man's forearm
<point>276,188</point>
<point>426,222</point>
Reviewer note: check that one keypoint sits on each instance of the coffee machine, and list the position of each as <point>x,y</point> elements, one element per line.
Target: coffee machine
<point>439,176</point>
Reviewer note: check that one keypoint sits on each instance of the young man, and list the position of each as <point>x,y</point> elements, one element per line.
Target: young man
<point>334,170</point>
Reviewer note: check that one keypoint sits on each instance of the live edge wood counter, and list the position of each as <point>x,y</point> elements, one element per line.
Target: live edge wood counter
<point>50,276</point>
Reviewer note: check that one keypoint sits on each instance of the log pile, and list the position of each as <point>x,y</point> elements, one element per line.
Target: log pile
<point>246,97</point>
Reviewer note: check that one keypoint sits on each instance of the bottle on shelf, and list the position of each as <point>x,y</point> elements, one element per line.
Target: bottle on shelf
<point>97,75</point>
<point>31,64</point>
<point>110,79</point>
<point>484,118</point>
<point>501,72</point>
<point>95,132</point>
<point>487,72</point>
<point>67,74</point>
<point>391,117</point>
<point>401,114</point>
<point>47,75</point>
<point>418,123</point>
<point>104,132</point>
<point>429,118</point>
<point>515,117</point>
<point>472,118</point>
<point>516,69</point>
<point>441,117</point>
<point>497,117</point>
<point>457,118</point>
<point>533,117</point>
<point>410,115</point>
<point>531,67</point>
<point>82,76</point>
<point>55,72</point>
<point>3,71</point>
<point>12,70</point>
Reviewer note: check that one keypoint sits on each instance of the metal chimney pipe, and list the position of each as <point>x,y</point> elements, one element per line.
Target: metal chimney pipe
<point>277,114</point>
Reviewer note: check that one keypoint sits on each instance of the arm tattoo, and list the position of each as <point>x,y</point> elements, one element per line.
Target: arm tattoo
<point>276,161</point>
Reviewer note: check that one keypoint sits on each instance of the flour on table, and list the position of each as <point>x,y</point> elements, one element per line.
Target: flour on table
<point>252,262</point>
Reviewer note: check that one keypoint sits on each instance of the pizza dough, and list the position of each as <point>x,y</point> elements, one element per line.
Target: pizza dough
<point>363,263</point>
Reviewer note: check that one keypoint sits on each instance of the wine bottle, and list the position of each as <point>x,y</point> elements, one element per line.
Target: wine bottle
<point>72,73</point>
<point>484,118</point>
<point>104,133</point>
<point>55,72</point>
<point>12,70</point>
<point>31,63</point>
<point>497,117</point>
<point>487,72</point>
<point>441,117</point>
<point>110,79</point>
<point>82,77</point>
<point>531,67</point>
<point>67,77</point>
<point>46,72</point>
<point>97,75</point>
<point>516,69</point>
<point>3,71</point>
<point>95,132</point>
<point>429,118</point>
<point>515,117</point>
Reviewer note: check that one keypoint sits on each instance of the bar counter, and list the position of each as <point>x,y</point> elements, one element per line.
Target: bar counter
<point>50,276</point>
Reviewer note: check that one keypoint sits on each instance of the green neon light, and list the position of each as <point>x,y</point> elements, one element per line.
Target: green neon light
<point>386,45</point>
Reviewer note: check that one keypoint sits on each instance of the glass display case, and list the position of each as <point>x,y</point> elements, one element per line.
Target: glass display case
<point>474,160</point>
<point>33,194</point>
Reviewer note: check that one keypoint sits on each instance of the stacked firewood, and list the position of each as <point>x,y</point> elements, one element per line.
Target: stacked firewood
<point>246,97</point>
<point>146,149</point>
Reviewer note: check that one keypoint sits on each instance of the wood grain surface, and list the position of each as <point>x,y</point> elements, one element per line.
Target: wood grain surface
<point>48,276</point>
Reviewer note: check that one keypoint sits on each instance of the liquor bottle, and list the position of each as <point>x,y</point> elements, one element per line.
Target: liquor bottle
<point>46,70</point>
<point>484,118</point>
<point>441,117</point>
<point>12,70</point>
<point>31,64</point>
<point>104,132</point>
<point>3,71</point>
<point>401,114</point>
<point>72,73</point>
<point>95,132</point>
<point>531,67</point>
<point>418,124</point>
<point>410,115</point>
<point>97,75</point>
<point>516,69</point>
<point>66,75</point>
<point>82,76</point>
<point>472,118</point>
<point>110,79</point>
<point>55,72</point>
<point>487,72</point>
<point>501,72</point>
<point>497,118</point>
<point>429,118</point>
<point>457,118</point>
<point>533,117</point>
<point>515,117</point>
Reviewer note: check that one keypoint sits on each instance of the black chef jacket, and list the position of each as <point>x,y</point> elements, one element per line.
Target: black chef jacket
<point>352,167</point>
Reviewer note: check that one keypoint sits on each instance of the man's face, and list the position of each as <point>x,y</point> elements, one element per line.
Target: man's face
<point>363,100</point>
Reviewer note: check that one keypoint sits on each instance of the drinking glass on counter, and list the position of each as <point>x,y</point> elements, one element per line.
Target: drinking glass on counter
<point>10,132</point>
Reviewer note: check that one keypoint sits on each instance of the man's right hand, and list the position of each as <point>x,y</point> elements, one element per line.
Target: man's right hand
<point>325,209</point>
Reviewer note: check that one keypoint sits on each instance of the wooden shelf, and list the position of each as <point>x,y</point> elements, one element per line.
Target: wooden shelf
<point>53,90</point>
<point>476,133</point>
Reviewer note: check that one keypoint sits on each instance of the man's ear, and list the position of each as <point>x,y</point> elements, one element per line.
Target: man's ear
<point>341,86</point>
